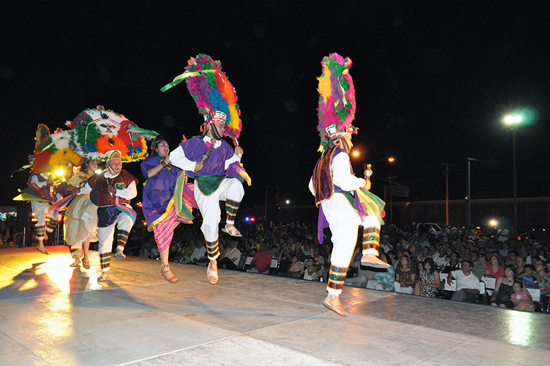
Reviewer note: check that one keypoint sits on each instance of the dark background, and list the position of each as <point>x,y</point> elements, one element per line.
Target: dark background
<point>433,82</point>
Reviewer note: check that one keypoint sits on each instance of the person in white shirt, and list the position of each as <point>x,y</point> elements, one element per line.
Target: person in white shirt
<point>467,284</point>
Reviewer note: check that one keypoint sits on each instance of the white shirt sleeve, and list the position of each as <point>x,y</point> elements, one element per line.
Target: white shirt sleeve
<point>127,193</point>
<point>341,174</point>
<point>231,160</point>
<point>178,159</point>
<point>34,179</point>
<point>86,189</point>
<point>310,186</point>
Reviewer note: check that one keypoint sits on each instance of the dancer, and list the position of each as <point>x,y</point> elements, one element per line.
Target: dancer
<point>40,210</point>
<point>210,159</point>
<point>81,217</point>
<point>158,200</point>
<point>115,189</point>
<point>343,199</point>
<point>45,186</point>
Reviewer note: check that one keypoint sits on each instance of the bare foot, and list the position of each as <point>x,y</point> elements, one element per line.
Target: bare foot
<point>86,263</point>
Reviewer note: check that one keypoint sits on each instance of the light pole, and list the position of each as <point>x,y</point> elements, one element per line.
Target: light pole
<point>390,160</point>
<point>513,121</point>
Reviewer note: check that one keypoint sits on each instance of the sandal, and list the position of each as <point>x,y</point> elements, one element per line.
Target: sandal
<point>42,249</point>
<point>164,270</point>
<point>76,262</point>
<point>337,308</point>
<point>119,255</point>
<point>86,263</point>
<point>104,276</point>
<point>232,230</point>
<point>212,272</point>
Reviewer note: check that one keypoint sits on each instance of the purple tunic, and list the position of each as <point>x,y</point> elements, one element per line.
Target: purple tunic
<point>158,190</point>
<point>194,149</point>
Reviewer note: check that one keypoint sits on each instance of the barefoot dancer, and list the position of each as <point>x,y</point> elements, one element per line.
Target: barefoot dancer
<point>343,199</point>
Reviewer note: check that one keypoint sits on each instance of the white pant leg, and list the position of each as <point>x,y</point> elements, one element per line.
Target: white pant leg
<point>124,222</point>
<point>343,223</point>
<point>105,235</point>
<point>230,188</point>
<point>40,210</point>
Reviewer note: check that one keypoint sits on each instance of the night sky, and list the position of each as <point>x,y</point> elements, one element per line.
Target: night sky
<point>433,82</point>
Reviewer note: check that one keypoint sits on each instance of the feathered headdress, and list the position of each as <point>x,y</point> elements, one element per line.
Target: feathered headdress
<point>97,131</point>
<point>336,100</point>
<point>211,91</point>
<point>51,151</point>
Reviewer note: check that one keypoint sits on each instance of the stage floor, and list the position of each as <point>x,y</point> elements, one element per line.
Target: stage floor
<point>51,314</point>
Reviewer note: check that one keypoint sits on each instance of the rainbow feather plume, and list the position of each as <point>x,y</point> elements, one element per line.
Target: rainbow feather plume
<point>212,91</point>
<point>336,97</point>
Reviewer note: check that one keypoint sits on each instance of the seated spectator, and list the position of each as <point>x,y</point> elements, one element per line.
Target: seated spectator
<point>520,266</point>
<point>522,298</point>
<point>383,280</point>
<point>231,257</point>
<point>528,277</point>
<point>467,284</point>
<point>428,281</point>
<point>453,264</point>
<point>294,269</point>
<point>261,261</point>
<point>493,269</point>
<point>199,254</point>
<point>392,260</point>
<point>543,279</point>
<point>310,270</point>
<point>405,277</point>
<point>385,244</point>
<point>502,296</point>
<point>425,254</point>
<point>504,251</point>
<point>357,276</point>
<point>479,264</point>
<point>510,259</point>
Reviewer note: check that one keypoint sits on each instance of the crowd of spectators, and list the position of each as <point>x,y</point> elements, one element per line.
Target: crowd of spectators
<point>419,261</point>
<point>422,261</point>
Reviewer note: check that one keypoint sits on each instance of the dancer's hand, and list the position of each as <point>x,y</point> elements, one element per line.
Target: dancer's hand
<point>111,189</point>
<point>239,151</point>
<point>199,166</point>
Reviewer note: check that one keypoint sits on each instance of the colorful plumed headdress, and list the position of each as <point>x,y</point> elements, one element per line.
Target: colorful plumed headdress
<point>52,151</point>
<point>212,92</point>
<point>96,132</point>
<point>336,100</point>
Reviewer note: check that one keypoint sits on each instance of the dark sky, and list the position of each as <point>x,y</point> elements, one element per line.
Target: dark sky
<point>433,81</point>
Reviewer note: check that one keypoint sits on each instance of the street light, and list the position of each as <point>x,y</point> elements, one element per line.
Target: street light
<point>513,120</point>
<point>390,160</point>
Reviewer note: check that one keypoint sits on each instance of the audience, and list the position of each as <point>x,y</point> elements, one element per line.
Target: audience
<point>461,253</point>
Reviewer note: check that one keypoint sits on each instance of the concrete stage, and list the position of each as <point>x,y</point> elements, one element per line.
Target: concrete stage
<point>51,314</point>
